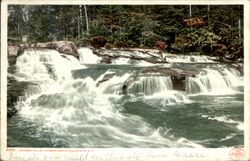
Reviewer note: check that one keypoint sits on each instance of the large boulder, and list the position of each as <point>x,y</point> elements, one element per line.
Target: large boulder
<point>64,47</point>
<point>105,78</point>
<point>151,56</point>
<point>178,77</point>
<point>12,51</point>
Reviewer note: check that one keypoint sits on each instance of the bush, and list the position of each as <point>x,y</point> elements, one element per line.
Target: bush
<point>150,38</point>
<point>160,45</point>
<point>98,41</point>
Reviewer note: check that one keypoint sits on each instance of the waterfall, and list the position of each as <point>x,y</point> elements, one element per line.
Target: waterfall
<point>44,65</point>
<point>220,81</point>
<point>93,111</point>
<point>87,56</point>
<point>149,85</point>
<point>43,69</point>
<point>114,85</point>
<point>157,91</point>
<point>70,106</point>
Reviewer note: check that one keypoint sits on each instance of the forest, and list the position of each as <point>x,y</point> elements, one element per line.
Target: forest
<point>204,29</point>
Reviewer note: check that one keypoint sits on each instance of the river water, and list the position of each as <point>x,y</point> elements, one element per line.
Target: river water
<point>64,107</point>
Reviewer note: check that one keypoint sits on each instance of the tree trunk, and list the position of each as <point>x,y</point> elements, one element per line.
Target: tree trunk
<point>86,17</point>
<point>190,10</point>
<point>208,15</point>
<point>79,22</point>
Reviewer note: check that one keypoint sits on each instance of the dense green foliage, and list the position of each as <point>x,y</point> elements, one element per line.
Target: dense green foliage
<point>130,25</point>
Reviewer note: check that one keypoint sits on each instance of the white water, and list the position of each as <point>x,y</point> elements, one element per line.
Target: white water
<point>240,125</point>
<point>171,58</point>
<point>150,85</point>
<point>70,105</point>
<point>87,56</point>
<point>44,69</point>
<point>35,65</point>
<point>78,110</point>
<point>216,82</point>
<point>114,85</point>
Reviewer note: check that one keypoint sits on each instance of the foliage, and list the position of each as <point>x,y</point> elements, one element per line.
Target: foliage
<point>98,41</point>
<point>130,25</point>
<point>201,37</point>
<point>160,45</point>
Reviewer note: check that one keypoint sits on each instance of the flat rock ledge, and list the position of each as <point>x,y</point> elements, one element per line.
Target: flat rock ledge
<point>64,47</point>
<point>178,77</point>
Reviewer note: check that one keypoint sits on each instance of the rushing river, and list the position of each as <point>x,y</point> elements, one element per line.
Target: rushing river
<point>64,107</point>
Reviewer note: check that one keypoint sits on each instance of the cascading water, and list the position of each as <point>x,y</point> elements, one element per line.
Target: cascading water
<point>150,85</point>
<point>87,56</point>
<point>214,81</point>
<point>65,109</point>
<point>43,65</point>
<point>188,58</point>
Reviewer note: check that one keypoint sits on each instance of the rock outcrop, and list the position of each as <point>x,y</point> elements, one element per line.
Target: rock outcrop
<point>64,47</point>
<point>105,78</point>
<point>178,77</point>
<point>107,58</point>
<point>12,51</point>
<point>16,91</point>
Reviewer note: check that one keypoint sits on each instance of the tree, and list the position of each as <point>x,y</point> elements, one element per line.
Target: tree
<point>129,25</point>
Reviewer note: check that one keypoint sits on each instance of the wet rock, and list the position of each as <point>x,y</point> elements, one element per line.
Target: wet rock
<point>105,78</point>
<point>178,77</point>
<point>64,47</point>
<point>128,82</point>
<point>106,60</point>
<point>12,51</point>
<point>179,83</point>
<point>15,91</point>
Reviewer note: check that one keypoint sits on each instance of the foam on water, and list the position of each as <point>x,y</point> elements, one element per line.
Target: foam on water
<point>87,56</point>
<point>114,85</point>
<point>47,65</point>
<point>77,109</point>
<point>187,58</point>
<point>240,125</point>
<point>44,69</point>
<point>149,85</point>
<point>78,113</point>
<point>166,98</point>
<point>230,136</point>
<point>83,108</point>
<point>214,82</point>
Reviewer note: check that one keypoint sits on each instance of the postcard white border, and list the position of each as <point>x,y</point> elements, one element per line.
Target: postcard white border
<point>119,153</point>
